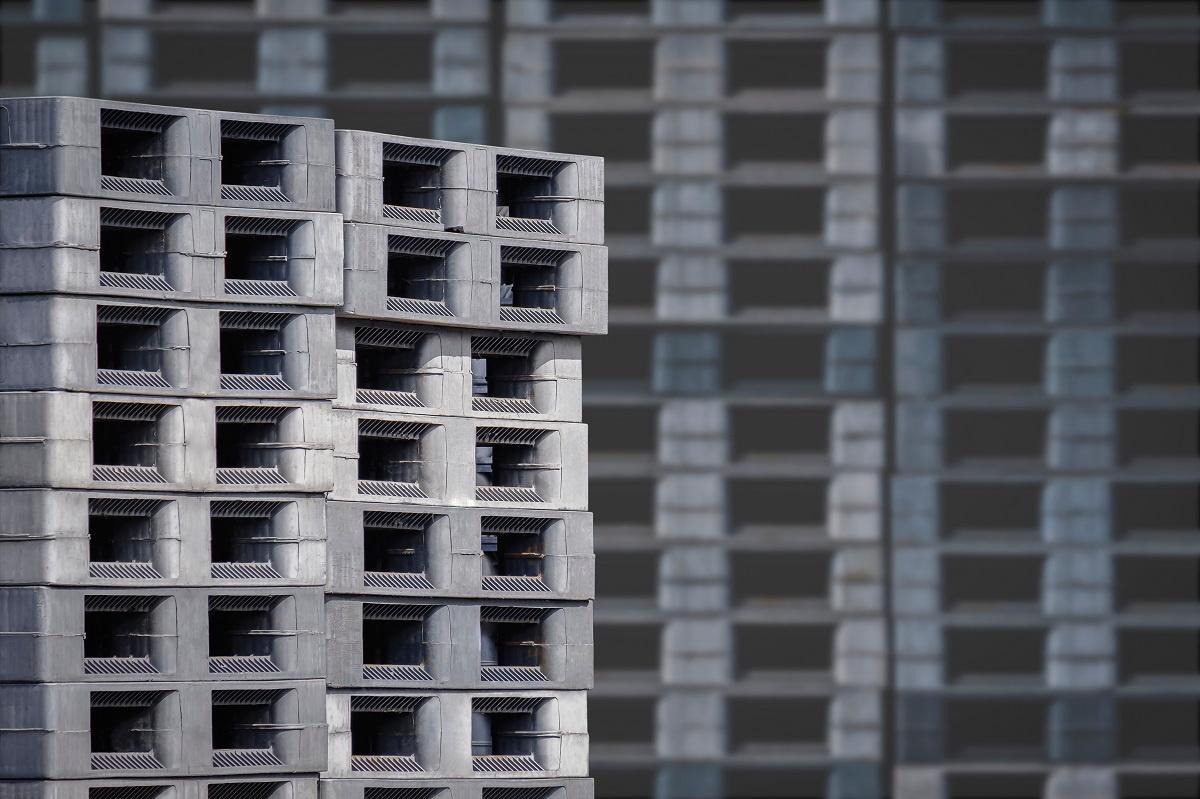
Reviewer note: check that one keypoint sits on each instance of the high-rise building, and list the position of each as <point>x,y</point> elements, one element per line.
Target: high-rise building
<point>293,482</point>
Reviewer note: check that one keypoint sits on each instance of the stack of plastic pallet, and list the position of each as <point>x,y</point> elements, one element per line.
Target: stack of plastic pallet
<point>170,278</point>
<point>460,565</point>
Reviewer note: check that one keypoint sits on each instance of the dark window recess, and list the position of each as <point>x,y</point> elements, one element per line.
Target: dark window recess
<point>253,257</point>
<point>774,285</point>
<point>18,56</point>
<point>1159,729</point>
<point>392,460</point>
<point>586,65</point>
<point>1161,362</point>
<point>995,786</point>
<point>564,9</point>
<point>503,734</point>
<point>511,644</point>
<point>241,540</point>
<point>1156,289</point>
<point>393,551</point>
<point>390,642</point>
<point>755,723</point>
<point>622,501</point>
<point>382,368</point>
<point>122,729</point>
<point>1158,654</point>
<point>772,648</point>
<point>1160,141</point>
<point>626,574</point>
<point>974,66</point>
<point>984,510</point>
<point>118,632</point>
<point>120,442</point>
<point>357,59</point>
<point>252,154</point>
<point>996,140</point>
<point>991,581</point>
<point>775,783</point>
<point>779,432</point>
<point>247,445</point>
<point>621,720</point>
<point>772,576</point>
<point>134,347</point>
<point>616,137</point>
<point>627,647</point>
<point>632,430</point>
<point>764,501</point>
<point>994,729</point>
<point>751,138</point>
<point>236,632</point>
<point>513,555</point>
<point>992,362</point>
<point>133,251</point>
<point>1149,508</point>
<point>751,359</point>
<point>992,216</point>
<point>1149,580</point>
<point>1169,436</point>
<point>632,284</point>
<point>737,9</point>
<point>992,290</point>
<point>384,734</point>
<point>1170,214</point>
<point>766,64</point>
<point>120,539</point>
<point>242,726</point>
<point>416,277</point>
<point>973,436</point>
<point>508,465</point>
<point>251,351</point>
<point>989,10</point>
<point>772,211</point>
<point>993,654</point>
<point>412,185</point>
<point>623,783</point>
<point>525,285</point>
<point>222,58</point>
<point>1158,786</point>
<point>627,211</point>
<point>131,154</point>
<point>623,355</point>
<point>1150,67</point>
<point>524,196</point>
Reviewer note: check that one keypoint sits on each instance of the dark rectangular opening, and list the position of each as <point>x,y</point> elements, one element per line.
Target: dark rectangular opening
<point>505,734</point>
<point>506,465</point>
<point>1160,141</point>
<point>989,10</point>
<point>416,277</point>
<point>589,65</point>
<point>1154,67</point>
<point>755,138</point>
<point>205,58</point>
<point>122,442</point>
<point>1156,509</point>
<point>383,368</point>
<point>133,251</point>
<point>1157,289</point>
<point>995,786</point>
<point>627,210</point>
<point>1159,729</point>
<point>513,555</point>
<point>1158,654</point>
<point>621,720</point>
<point>565,9</point>
<point>133,347</point>
<point>995,67</point>
<point>973,436</point>
<point>1168,437</point>
<point>1156,581</point>
<point>773,576</point>
<point>774,211</point>
<point>995,729</point>
<point>528,285</point>
<point>625,501</point>
<point>750,360</point>
<point>391,460</point>
<point>778,285</point>
<point>412,185</point>
<point>776,783</point>
<point>627,647</point>
<point>616,137</point>
<point>765,650</point>
<point>256,257</point>
<point>364,59</point>
<point>122,729</point>
<point>120,539</point>
<point>991,582</point>
<point>1158,786</point>
<point>239,632</point>
<point>996,217</point>
<point>117,631</point>
<point>251,351</point>
<point>780,432</point>
<point>623,355</point>
<point>993,654</point>
<point>753,64</point>
<point>990,510</point>
<point>776,501</point>
<point>776,721</point>
<point>1159,215</point>
<point>131,153</point>
<point>242,726</point>
<point>1158,362</point>
<point>1002,140</point>
<point>628,431</point>
<point>985,290</point>
<point>247,445</point>
<point>631,284</point>
<point>626,575</point>
<point>739,9</point>
<point>393,551</point>
<point>511,644</point>
<point>252,154</point>
<point>384,734</point>
<point>524,196</point>
<point>241,540</point>
<point>393,642</point>
<point>992,363</point>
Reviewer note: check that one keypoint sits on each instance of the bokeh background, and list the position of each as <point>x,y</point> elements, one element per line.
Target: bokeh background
<point>894,436</point>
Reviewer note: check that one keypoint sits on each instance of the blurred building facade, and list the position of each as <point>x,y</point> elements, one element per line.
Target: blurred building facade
<point>893,437</point>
